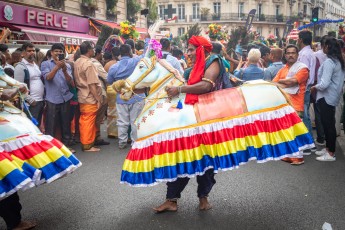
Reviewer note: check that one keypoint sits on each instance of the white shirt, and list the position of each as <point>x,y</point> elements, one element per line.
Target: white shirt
<point>306,56</point>
<point>36,84</point>
<point>321,56</point>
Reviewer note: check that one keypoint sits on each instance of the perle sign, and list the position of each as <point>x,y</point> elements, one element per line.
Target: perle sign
<point>47,19</point>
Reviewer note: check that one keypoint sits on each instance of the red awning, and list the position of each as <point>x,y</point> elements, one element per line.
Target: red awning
<point>69,38</point>
<point>115,25</point>
<point>107,23</point>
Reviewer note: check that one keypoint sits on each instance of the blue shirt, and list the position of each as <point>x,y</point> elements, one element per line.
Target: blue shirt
<point>252,72</point>
<point>173,62</point>
<point>121,70</point>
<point>330,81</point>
<point>272,70</point>
<point>57,90</point>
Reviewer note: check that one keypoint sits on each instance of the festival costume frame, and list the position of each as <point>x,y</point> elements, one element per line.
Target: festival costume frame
<point>28,158</point>
<point>224,130</point>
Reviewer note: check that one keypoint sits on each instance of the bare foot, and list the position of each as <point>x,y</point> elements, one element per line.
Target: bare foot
<point>93,149</point>
<point>24,225</point>
<point>167,206</point>
<point>204,205</point>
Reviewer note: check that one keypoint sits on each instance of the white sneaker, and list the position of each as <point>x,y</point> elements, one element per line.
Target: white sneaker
<point>326,157</point>
<point>318,143</point>
<point>306,152</point>
<point>321,152</point>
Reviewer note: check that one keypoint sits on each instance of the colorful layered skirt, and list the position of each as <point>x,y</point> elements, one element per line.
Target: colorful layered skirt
<point>31,160</point>
<point>221,144</point>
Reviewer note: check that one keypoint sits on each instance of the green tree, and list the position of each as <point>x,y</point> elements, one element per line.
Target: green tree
<point>153,12</point>
<point>133,7</point>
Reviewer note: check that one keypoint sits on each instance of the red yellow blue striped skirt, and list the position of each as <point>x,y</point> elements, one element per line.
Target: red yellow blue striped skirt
<point>31,160</point>
<point>221,144</point>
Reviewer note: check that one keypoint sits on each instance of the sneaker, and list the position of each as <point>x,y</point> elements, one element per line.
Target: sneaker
<point>313,150</point>
<point>319,143</point>
<point>326,157</point>
<point>122,146</point>
<point>306,152</point>
<point>321,152</point>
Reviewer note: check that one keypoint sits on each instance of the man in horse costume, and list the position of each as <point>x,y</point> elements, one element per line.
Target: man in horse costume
<point>204,77</point>
<point>194,129</point>
<point>28,158</point>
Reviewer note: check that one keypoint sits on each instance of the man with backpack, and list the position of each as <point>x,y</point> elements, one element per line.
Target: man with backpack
<point>28,72</point>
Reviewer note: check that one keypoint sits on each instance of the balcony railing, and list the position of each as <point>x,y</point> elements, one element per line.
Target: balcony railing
<point>88,7</point>
<point>56,4</point>
<point>232,17</point>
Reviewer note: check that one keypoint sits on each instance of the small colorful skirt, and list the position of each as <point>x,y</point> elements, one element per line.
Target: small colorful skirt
<point>31,160</point>
<point>221,144</point>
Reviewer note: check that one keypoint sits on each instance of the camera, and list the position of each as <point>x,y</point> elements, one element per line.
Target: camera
<point>61,57</point>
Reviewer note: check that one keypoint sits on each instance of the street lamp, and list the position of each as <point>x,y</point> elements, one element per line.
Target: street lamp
<point>291,2</point>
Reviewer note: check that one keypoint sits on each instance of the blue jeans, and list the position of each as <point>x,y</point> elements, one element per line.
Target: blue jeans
<point>306,116</point>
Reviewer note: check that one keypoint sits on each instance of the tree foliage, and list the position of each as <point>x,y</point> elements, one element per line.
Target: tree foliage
<point>153,11</point>
<point>133,7</point>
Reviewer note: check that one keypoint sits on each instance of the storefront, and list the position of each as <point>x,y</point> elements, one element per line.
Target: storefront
<point>43,26</point>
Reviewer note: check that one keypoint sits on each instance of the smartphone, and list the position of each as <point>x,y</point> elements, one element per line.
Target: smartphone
<point>61,57</point>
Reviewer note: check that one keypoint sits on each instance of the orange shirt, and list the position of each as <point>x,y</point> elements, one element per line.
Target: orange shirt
<point>297,99</point>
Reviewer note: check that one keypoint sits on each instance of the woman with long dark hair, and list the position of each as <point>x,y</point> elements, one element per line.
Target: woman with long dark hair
<point>330,80</point>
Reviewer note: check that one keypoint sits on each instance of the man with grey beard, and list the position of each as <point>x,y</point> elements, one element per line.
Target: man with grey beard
<point>28,72</point>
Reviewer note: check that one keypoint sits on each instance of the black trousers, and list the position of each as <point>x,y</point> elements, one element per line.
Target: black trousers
<point>37,111</point>
<point>10,208</point>
<point>58,116</point>
<point>327,113</point>
<point>205,184</point>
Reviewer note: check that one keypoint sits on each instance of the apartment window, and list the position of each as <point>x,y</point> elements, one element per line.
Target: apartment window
<point>276,32</point>
<point>181,11</point>
<point>259,30</point>
<point>161,11</point>
<point>277,10</point>
<point>241,9</point>
<point>216,8</point>
<point>196,10</point>
<point>259,9</point>
<point>180,31</point>
<point>305,8</point>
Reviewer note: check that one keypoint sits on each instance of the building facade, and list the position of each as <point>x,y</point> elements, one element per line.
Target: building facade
<point>89,8</point>
<point>270,18</point>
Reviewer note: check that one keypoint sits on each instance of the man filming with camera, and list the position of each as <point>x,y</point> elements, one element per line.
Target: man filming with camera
<point>58,79</point>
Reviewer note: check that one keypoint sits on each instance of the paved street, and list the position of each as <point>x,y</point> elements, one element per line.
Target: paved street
<point>273,195</point>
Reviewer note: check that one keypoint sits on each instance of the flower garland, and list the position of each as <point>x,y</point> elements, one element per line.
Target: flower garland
<point>322,21</point>
<point>128,30</point>
<point>71,48</point>
<point>155,48</point>
<point>215,32</point>
<point>271,39</point>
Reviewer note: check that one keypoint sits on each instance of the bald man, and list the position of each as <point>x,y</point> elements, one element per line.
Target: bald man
<point>276,55</point>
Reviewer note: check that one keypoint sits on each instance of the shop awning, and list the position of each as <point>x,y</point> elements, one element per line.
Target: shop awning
<point>107,23</point>
<point>117,26</point>
<point>64,37</point>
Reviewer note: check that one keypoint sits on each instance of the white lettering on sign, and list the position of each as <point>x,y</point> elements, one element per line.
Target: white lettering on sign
<point>47,19</point>
<point>71,41</point>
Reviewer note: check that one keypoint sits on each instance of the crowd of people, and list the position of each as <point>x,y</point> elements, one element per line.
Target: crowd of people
<point>69,97</point>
